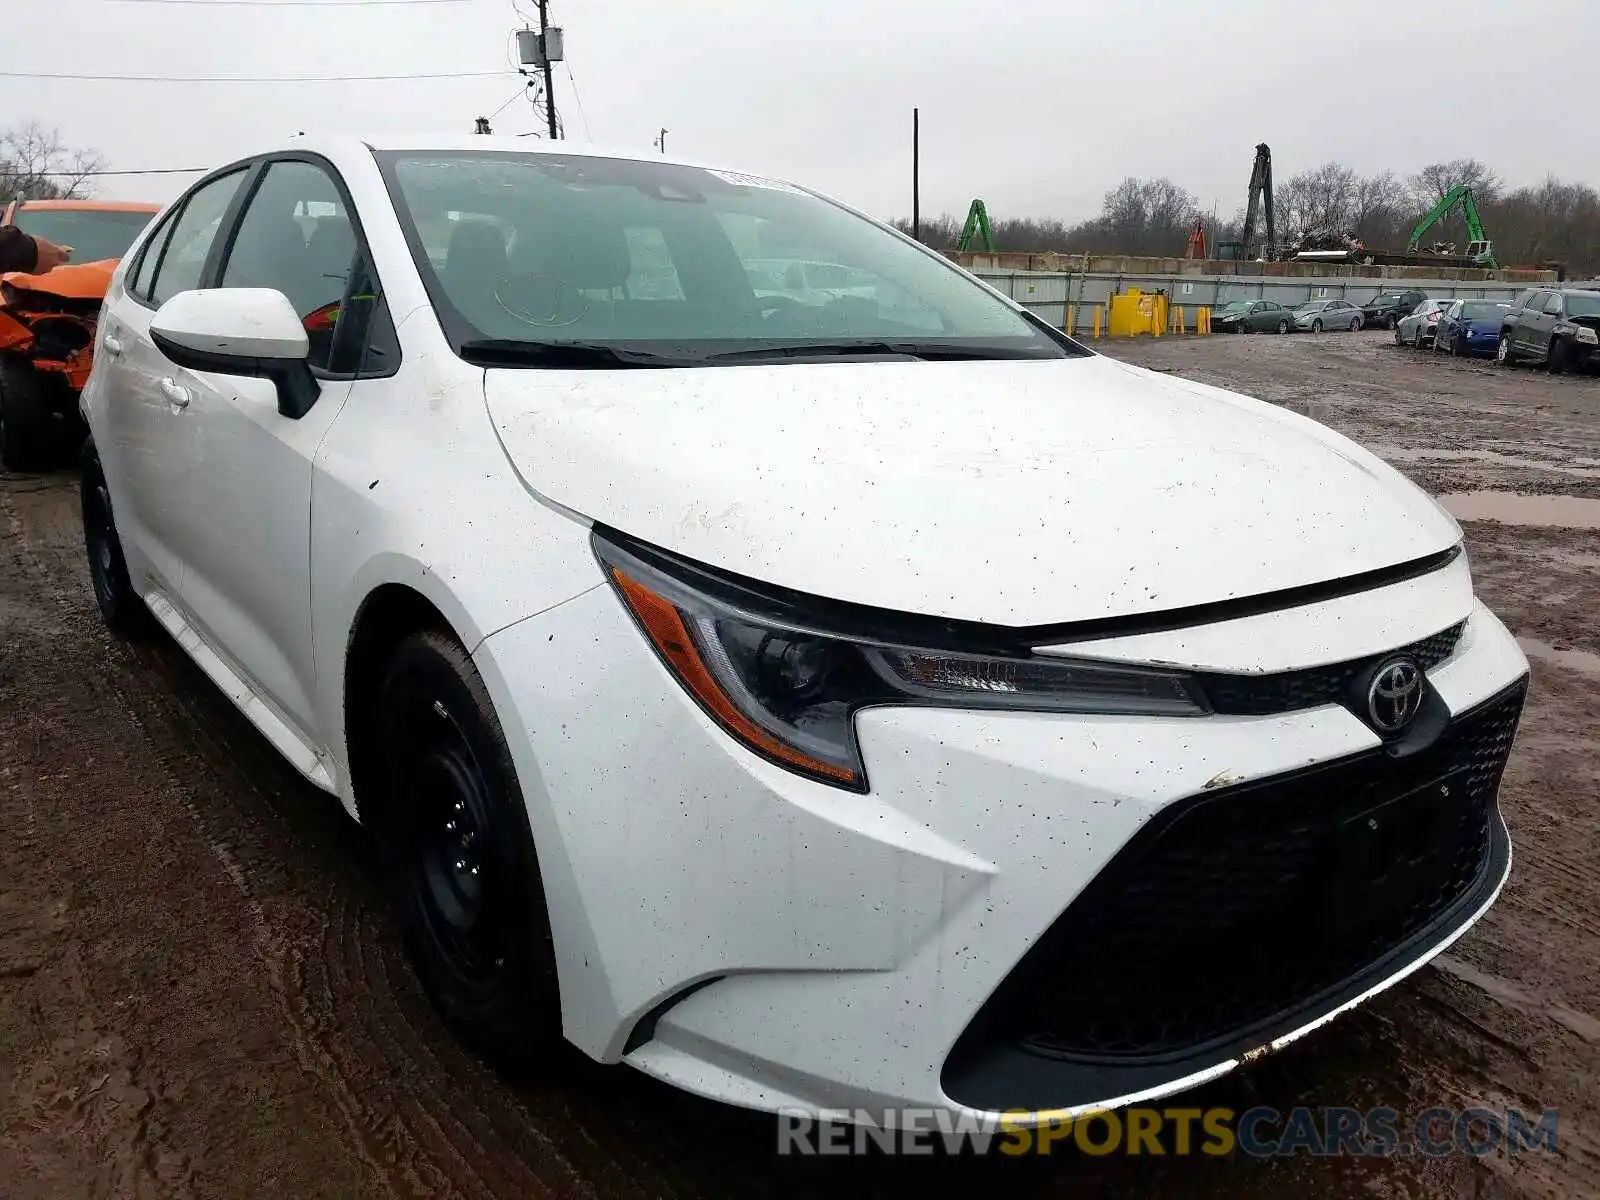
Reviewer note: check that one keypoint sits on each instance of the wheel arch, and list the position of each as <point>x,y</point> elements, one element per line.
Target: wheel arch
<point>388,614</point>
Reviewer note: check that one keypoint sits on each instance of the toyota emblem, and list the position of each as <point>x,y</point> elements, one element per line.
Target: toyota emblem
<point>1394,697</point>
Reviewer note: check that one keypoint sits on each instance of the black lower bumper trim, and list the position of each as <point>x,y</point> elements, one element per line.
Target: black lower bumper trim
<point>1239,916</point>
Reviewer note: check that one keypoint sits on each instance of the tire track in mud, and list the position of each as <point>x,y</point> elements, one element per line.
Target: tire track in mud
<point>333,963</point>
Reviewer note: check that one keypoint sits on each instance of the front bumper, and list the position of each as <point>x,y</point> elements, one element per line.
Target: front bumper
<point>772,942</point>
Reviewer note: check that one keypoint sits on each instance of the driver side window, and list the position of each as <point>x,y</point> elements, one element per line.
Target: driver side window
<point>297,237</point>
<point>1553,305</point>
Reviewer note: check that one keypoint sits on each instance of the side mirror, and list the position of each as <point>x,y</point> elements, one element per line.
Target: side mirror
<point>253,332</point>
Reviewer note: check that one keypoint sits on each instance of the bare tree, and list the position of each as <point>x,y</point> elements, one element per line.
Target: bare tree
<point>35,164</point>
<point>1379,208</point>
<point>1430,184</point>
<point>1322,199</point>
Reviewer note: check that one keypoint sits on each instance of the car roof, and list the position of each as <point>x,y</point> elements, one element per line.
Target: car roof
<point>491,143</point>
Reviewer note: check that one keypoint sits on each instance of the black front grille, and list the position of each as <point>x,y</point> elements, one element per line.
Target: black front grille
<point>1285,691</point>
<point>1233,912</point>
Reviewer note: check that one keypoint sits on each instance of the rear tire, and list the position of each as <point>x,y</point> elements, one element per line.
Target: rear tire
<point>1283,326</point>
<point>459,857</point>
<point>1503,354</point>
<point>121,607</point>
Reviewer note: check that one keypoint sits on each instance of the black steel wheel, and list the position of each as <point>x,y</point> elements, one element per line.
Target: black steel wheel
<point>121,607</point>
<point>459,856</point>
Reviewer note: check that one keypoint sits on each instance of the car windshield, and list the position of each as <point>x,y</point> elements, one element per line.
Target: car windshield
<point>93,234</point>
<point>655,263</point>
<point>1311,306</point>
<point>1379,301</point>
<point>1583,304</point>
<point>1481,309</point>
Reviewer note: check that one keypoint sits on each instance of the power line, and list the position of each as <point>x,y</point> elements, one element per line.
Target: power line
<point>97,174</point>
<point>587,132</point>
<point>287,3</point>
<point>252,78</point>
<point>513,99</point>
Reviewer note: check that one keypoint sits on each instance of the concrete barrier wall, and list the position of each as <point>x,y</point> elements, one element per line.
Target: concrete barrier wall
<point>1055,263</point>
<point>1049,294</point>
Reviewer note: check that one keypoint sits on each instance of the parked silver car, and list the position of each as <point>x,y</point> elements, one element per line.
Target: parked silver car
<point>1317,315</point>
<point>1419,327</point>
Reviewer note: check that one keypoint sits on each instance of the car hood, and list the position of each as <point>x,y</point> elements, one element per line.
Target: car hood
<point>1589,322</point>
<point>1015,493</point>
<point>75,281</point>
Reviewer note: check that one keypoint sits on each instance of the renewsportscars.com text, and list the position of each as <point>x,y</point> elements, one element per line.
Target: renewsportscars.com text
<point>1259,1132</point>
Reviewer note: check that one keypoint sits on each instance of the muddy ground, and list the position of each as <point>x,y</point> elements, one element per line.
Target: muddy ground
<point>200,993</point>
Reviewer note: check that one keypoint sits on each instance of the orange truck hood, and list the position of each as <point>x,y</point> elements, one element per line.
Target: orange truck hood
<point>75,281</point>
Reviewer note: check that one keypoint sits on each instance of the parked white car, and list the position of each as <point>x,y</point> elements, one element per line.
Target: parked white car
<point>804,706</point>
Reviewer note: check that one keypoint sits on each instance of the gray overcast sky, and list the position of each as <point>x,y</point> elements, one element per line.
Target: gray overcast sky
<point>1038,106</point>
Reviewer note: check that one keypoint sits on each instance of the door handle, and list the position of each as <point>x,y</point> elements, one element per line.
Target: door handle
<point>113,345</point>
<point>176,394</point>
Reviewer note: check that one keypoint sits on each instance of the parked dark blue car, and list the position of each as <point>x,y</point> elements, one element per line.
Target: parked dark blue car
<point>1470,327</point>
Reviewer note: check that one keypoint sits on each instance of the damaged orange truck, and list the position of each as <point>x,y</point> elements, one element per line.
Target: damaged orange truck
<point>47,324</point>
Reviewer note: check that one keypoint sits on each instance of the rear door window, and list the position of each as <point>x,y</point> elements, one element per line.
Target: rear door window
<point>183,259</point>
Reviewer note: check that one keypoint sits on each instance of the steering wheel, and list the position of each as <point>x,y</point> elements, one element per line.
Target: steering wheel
<point>774,304</point>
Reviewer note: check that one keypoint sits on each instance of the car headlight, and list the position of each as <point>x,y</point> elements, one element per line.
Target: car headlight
<point>1585,334</point>
<point>786,678</point>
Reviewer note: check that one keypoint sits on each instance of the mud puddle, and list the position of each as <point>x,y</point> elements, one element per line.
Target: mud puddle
<point>1585,662</point>
<point>1517,508</point>
<point>1580,468</point>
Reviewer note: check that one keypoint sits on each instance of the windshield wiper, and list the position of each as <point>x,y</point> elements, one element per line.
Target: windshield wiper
<point>514,352</point>
<point>929,351</point>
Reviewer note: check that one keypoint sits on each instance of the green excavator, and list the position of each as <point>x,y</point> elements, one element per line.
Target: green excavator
<point>977,225</point>
<point>1479,248</point>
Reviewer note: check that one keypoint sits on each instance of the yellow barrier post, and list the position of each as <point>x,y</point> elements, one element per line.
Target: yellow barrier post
<point>1097,322</point>
<point>1069,318</point>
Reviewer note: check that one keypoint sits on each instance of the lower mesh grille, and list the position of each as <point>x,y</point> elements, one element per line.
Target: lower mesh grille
<point>1232,909</point>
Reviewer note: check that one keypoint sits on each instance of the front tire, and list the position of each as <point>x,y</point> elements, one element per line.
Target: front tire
<point>121,607</point>
<point>1557,357</point>
<point>459,856</point>
<point>1355,323</point>
<point>1316,326</point>
<point>1399,335</point>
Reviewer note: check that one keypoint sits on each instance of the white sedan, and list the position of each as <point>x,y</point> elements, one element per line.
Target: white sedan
<point>809,704</point>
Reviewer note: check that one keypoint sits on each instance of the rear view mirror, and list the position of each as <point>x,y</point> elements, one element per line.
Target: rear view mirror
<point>252,332</point>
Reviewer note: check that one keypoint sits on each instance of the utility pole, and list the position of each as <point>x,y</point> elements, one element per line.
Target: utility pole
<point>661,142</point>
<point>549,75</point>
<point>916,174</point>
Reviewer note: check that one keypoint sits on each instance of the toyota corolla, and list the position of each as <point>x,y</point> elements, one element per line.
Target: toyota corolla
<point>839,701</point>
